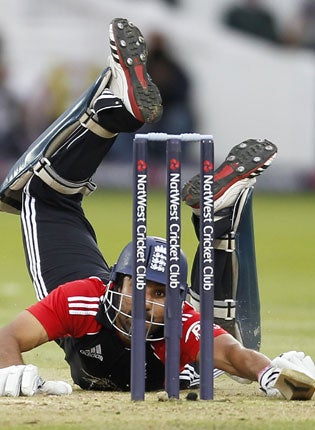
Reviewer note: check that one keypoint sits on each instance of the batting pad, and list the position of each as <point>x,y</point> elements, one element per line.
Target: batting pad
<point>48,142</point>
<point>236,294</point>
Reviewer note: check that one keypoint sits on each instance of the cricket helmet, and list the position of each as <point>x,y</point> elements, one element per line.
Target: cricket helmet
<point>156,271</point>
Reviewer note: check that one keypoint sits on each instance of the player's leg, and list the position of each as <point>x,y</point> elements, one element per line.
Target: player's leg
<point>131,100</point>
<point>245,161</point>
<point>128,79</point>
<point>59,241</point>
<point>236,298</point>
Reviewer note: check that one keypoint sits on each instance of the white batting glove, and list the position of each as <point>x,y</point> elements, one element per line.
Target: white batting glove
<point>292,374</point>
<point>20,379</point>
<point>25,380</point>
<point>267,380</point>
<point>57,388</point>
<point>296,361</point>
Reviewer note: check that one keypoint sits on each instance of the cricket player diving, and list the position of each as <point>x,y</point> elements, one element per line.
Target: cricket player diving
<point>83,304</point>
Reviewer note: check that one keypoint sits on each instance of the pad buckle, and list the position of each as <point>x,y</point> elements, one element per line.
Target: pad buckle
<point>225,309</point>
<point>51,178</point>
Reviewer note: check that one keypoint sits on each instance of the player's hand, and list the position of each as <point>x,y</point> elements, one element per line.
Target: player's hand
<point>267,381</point>
<point>295,360</point>
<point>25,380</point>
<point>18,380</point>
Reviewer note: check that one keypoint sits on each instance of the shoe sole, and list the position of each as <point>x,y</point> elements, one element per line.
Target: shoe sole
<point>294,385</point>
<point>128,49</point>
<point>246,160</point>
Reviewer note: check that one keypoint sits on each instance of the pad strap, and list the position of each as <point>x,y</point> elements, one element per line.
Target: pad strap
<point>226,242</point>
<point>48,175</point>
<point>224,309</point>
<point>88,122</point>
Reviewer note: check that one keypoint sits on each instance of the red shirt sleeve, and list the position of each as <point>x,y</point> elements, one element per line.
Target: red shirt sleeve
<point>70,309</point>
<point>190,340</point>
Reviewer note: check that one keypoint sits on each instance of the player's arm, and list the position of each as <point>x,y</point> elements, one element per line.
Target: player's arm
<point>229,355</point>
<point>233,358</point>
<point>44,321</point>
<point>24,333</point>
<point>292,374</point>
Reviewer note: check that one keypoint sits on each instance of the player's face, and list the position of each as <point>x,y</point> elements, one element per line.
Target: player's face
<point>155,300</point>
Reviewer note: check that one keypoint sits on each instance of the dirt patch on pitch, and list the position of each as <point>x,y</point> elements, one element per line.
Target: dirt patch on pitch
<point>234,406</point>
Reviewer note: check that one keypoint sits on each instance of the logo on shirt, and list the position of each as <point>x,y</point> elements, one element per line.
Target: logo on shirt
<point>195,330</point>
<point>95,352</point>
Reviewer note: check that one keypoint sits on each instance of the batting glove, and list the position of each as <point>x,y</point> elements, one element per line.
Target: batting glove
<point>267,379</point>
<point>25,380</point>
<point>291,374</point>
<point>296,361</point>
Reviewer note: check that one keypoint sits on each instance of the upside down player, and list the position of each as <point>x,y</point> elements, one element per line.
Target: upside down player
<point>83,304</point>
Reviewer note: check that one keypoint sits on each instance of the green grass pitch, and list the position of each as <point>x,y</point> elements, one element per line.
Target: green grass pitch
<point>284,250</point>
<point>285,238</point>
